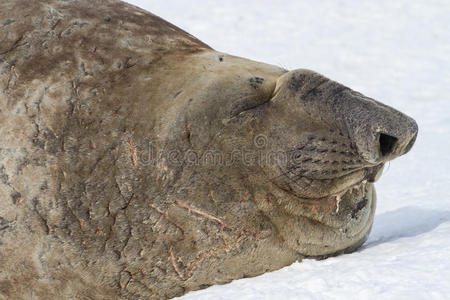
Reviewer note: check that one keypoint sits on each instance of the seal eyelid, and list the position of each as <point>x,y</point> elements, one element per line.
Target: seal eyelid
<point>261,93</point>
<point>247,103</point>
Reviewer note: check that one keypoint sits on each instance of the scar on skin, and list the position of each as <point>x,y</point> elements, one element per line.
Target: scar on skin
<point>132,154</point>
<point>199,212</point>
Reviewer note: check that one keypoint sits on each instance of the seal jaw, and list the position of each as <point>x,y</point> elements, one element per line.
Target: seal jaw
<point>344,228</point>
<point>326,226</point>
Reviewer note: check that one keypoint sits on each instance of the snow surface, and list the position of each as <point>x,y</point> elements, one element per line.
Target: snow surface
<point>395,51</point>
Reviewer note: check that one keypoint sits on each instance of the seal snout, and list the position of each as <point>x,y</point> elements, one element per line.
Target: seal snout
<point>378,132</point>
<point>381,133</point>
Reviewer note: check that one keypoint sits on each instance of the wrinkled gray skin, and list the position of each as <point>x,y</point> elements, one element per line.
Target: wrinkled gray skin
<point>100,103</point>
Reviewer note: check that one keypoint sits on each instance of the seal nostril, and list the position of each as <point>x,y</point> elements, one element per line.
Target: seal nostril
<point>387,143</point>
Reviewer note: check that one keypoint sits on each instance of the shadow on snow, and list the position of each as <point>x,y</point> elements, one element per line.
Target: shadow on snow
<point>407,221</point>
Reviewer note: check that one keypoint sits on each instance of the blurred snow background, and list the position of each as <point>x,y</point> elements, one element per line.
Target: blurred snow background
<point>395,51</point>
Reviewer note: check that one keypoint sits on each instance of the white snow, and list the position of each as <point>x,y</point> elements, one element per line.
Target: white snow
<point>395,51</point>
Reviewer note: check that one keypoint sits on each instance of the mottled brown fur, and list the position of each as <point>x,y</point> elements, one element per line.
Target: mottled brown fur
<point>97,96</point>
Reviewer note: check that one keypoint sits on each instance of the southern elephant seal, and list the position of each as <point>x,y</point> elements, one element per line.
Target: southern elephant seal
<point>136,162</point>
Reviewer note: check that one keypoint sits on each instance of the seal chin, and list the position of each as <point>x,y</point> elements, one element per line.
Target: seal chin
<point>343,229</point>
<point>334,224</point>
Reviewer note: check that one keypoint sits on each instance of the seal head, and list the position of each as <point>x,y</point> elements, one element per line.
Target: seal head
<point>320,147</point>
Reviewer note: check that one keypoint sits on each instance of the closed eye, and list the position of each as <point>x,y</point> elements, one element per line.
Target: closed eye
<point>246,104</point>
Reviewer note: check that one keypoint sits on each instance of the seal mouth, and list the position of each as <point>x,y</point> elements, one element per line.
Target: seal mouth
<point>372,175</point>
<point>356,180</point>
<point>341,195</point>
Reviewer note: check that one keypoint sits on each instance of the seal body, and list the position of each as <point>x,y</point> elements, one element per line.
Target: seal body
<point>136,162</point>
